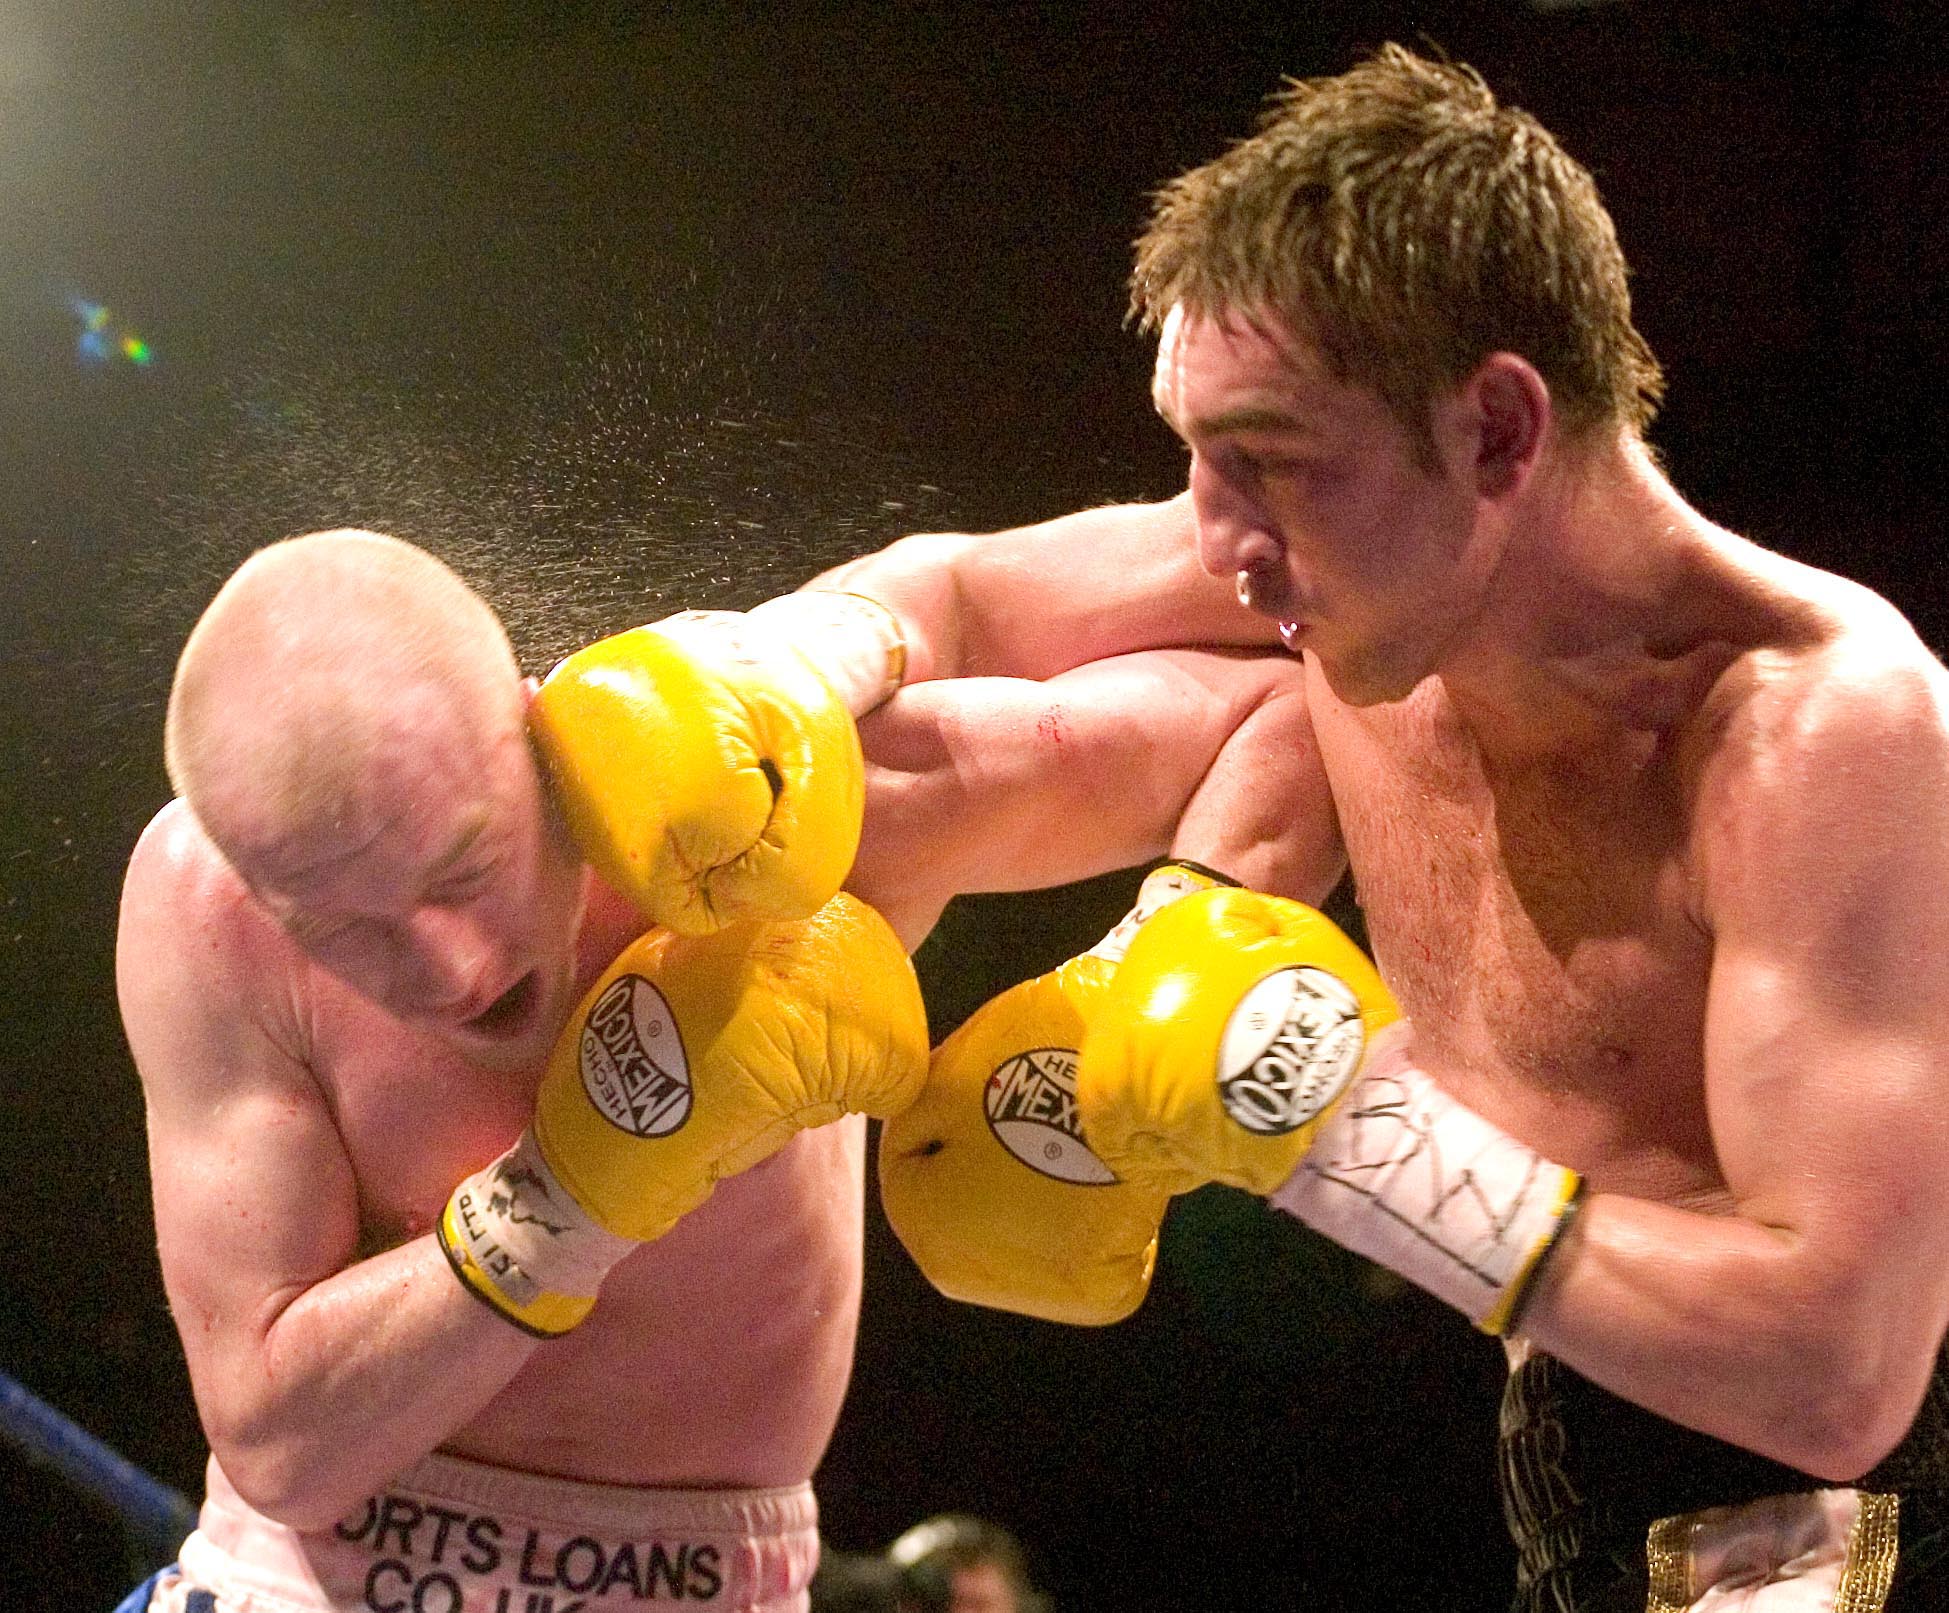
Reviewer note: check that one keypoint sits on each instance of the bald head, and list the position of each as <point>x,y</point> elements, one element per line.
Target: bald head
<point>318,651</point>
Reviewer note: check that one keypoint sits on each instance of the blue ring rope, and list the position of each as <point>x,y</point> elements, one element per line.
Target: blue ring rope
<point>160,1515</point>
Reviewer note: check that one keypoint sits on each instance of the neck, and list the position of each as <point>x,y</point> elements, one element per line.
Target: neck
<point>1608,616</point>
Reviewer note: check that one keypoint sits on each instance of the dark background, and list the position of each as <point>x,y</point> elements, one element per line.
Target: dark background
<point>626,308</point>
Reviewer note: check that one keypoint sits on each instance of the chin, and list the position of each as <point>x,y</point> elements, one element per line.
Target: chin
<point>1367,685</point>
<point>1374,674</point>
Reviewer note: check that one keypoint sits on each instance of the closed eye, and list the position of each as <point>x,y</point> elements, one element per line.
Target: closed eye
<point>321,936</point>
<point>1237,465</point>
<point>461,885</point>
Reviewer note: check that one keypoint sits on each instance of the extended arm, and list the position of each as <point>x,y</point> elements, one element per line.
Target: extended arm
<point>318,1375</point>
<point>1041,599</point>
<point>989,784</point>
<point>707,767</point>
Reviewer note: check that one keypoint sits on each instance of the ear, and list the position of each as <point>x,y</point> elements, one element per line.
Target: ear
<point>530,687</point>
<point>1507,404</point>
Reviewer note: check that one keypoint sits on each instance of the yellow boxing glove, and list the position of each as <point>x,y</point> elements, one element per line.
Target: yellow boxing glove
<point>987,1180</point>
<point>1235,1023</point>
<point>690,1060</point>
<point>708,766</point>
<point>1246,1040</point>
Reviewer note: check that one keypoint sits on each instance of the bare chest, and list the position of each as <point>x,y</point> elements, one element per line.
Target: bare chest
<point>1538,929</point>
<point>674,1378</point>
<point>413,1116</point>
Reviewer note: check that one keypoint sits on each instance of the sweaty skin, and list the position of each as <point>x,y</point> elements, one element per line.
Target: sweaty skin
<point>303,1143</point>
<point>987,784</point>
<point>1650,828</point>
<point>329,1047</point>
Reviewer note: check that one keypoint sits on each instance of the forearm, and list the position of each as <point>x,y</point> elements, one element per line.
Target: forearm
<point>994,784</point>
<point>353,1380</point>
<point>1728,1326</point>
<point>1804,1348</point>
<point>1263,812</point>
<point>986,784</point>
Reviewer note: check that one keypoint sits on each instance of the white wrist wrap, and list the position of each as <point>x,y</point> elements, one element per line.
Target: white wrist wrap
<point>854,643</point>
<point>516,1238</point>
<point>1406,1176</point>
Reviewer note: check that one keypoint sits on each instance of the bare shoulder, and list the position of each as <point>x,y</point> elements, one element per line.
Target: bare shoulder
<point>196,959</point>
<point>178,882</point>
<point>1851,679</point>
<point>171,848</point>
<point>1827,743</point>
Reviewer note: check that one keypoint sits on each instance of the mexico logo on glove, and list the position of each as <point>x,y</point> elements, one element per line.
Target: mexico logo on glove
<point>633,1064</point>
<point>1031,1104</point>
<point>1290,1045</point>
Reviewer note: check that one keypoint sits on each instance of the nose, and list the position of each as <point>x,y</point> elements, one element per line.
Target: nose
<point>1233,534</point>
<point>451,959</point>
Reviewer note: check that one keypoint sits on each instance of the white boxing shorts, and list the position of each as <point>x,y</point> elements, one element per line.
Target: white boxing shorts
<point>453,1536</point>
<point>1814,1552</point>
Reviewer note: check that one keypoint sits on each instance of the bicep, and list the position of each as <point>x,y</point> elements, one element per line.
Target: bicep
<point>1827,1026</point>
<point>254,1205</point>
<point>253,1193</point>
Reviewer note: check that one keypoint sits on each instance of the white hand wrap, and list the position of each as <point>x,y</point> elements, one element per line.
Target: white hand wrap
<point>853,642</point>
<point>517,1240</point>
<point>1406,1176</point>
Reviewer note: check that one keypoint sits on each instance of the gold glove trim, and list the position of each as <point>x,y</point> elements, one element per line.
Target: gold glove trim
<point>1872,1547</point>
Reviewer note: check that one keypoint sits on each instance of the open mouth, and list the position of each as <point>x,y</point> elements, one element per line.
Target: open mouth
<point>508,1014</point>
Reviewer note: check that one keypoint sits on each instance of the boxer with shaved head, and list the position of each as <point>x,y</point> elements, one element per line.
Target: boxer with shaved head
<point>507,1205</point>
